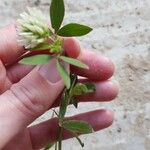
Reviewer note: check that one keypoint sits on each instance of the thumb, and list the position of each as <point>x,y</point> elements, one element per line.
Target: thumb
<point>28,99</point>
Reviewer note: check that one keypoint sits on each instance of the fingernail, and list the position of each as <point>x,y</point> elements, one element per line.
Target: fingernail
<point>49,71</point>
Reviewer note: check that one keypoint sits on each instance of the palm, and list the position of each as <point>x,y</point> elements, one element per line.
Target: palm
<point>37,136</point>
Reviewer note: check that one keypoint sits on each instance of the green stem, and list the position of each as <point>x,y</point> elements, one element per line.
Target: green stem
<point>65,100</point>
<point>60,139</point>
<point>56,146</point>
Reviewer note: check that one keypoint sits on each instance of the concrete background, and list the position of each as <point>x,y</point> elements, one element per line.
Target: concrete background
<point>122,32</point>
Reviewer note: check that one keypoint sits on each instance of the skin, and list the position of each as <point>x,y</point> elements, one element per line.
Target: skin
<point>29,91</point>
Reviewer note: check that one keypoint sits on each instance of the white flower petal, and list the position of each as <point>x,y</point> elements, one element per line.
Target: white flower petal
<point>32,28</point>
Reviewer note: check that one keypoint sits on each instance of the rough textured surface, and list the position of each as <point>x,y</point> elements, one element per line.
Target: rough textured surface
<point>121,31</point>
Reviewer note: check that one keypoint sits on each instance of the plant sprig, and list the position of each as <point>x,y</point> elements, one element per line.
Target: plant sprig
<point>44,43</point>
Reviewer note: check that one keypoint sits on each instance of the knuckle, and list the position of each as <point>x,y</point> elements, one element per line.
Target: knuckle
<point>28,102</point>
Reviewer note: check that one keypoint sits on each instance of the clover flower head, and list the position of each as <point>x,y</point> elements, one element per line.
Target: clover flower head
<point>32,28</point>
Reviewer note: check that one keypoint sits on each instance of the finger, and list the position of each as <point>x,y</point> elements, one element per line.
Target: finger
<point>100,67</point>
<point>105,91</point>
<point>5,83</point>
<point>28,99</point>
<point>9,49</point>
<point>71,47</point>
<point>48,132</point>
<point>18,71</point>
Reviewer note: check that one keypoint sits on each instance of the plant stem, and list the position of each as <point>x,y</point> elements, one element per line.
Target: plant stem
<point>60,139</point>
<point>56,146</point>
<point>65,101</point>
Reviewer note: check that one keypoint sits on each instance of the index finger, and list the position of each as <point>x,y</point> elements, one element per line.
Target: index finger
<point>100,67</point>
<point>9,48</point>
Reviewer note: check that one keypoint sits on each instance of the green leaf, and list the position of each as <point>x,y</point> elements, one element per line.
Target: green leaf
<point>81,89</point>
<point>36,60</point>
<point>90,87</point>
<point>64,74</point>
<point>57,12</point>
<point>80,127</point>
<point>74,62</point>
<point>74,29</point>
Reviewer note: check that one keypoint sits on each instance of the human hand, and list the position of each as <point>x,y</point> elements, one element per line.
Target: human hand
<point>29,91</point>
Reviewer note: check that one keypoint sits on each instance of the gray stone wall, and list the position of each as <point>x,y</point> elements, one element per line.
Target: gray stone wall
<point>122,32</point>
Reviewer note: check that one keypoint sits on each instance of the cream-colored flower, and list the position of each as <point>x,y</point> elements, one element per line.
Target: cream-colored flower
<point>32,28</point>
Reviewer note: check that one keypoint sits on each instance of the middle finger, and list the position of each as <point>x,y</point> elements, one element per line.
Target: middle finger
<point>105,91</point>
